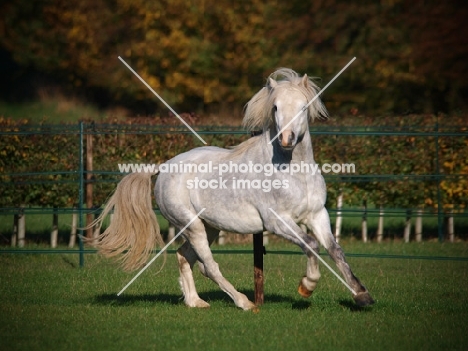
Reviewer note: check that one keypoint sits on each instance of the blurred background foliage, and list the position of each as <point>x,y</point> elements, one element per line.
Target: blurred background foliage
<point>210,56</point>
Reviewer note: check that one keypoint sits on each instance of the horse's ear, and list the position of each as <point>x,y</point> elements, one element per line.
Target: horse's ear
<point>271,83</point>
<point>305,81</point>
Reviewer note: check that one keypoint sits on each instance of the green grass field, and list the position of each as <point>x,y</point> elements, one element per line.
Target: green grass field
<point>50,110</point>
<point>48,303</point>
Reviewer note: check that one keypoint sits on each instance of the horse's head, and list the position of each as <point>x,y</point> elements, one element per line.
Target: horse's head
<point>290,113</point>
<point>286,105</point>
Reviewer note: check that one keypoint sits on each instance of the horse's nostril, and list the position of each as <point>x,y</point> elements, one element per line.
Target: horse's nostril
<point>280,137</point>
<point>291,138</point>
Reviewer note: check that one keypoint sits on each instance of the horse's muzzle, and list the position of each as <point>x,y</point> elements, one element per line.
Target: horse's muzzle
<point>287,139</point>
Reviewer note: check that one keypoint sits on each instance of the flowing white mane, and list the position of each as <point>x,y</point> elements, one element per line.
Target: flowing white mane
<point>258,111</point>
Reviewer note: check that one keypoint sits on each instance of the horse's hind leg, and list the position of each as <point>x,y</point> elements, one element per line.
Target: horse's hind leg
<point>197,248</point>
<point>212,234</point>
<point>197,237</point>
<point>320,225</point>
<point>187,258</point>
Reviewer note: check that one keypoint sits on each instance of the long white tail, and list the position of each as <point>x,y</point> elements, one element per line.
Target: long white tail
<point>134,230</point>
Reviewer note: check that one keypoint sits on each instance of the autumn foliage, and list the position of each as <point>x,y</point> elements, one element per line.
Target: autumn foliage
<point>411,55</point>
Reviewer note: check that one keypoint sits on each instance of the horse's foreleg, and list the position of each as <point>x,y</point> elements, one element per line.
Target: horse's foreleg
<point>362,297</point>
<point>320,225</point>
<point>309,282</point>
<point>187,258</point>
<point>289,230</point>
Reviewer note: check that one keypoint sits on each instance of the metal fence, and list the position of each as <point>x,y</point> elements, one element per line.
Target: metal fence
<point>82,178</point>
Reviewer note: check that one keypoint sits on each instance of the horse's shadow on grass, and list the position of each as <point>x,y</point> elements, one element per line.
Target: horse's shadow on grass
<point>352,307</point>
<point>209,296</point>
<point>130,299</point>
<point>214,296</point>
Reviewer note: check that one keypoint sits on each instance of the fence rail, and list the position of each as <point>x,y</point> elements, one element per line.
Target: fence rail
<point>83,177</point>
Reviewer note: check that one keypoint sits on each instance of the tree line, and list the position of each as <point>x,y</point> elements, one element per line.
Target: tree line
<point>203,54</point>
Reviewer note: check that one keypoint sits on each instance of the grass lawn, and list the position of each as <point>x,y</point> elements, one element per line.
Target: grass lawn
<point>48,303</point>
<point>50,110</point>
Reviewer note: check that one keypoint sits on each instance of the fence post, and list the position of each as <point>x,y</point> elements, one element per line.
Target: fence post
<point>339,218</point>
<point>21,227</point>
<point>407,231</point>
<point>266,235</point>
<point>72,241</point>
<point>258,249</point>
<point>380,227</point>
<point>14,235</point>
<point>80,195</point>
<point>440,227</point>
<point>89,184</point>
<point>54,232</point>
<point>450,226</point>
<point>170,232</point>
<point>222,237</point>
<point>364,222</point>
<point>418,226</point>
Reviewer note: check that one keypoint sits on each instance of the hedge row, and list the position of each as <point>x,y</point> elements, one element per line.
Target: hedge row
<point>39,163</point>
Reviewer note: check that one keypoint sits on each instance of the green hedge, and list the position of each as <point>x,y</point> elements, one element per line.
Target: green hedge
<point>401,169</point>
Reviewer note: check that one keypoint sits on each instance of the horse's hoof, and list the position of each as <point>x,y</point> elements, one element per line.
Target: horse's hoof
<point>363,299</point>
<point>250,306</point>
<point>199,304</point>
<point>303,291</point>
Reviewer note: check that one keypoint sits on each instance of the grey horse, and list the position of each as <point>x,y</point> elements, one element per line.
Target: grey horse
<point>268,183</point>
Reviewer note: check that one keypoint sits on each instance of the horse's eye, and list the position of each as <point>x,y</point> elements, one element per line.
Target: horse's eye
<point>275,108</point>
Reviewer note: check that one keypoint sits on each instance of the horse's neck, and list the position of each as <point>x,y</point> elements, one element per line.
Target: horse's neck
<point>302,151</point>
